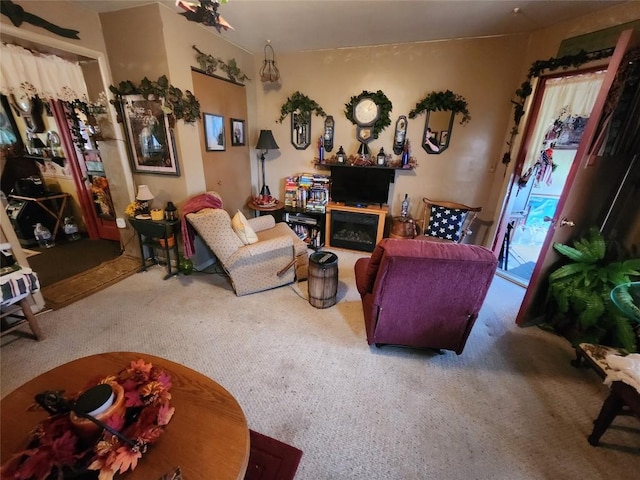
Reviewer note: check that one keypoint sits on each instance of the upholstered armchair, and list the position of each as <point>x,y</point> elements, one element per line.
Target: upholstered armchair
<point>423,294</point>
<point>274,257</point>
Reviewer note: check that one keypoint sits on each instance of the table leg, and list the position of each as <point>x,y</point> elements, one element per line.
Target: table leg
<point>611,407</point>
<point>31,319</point>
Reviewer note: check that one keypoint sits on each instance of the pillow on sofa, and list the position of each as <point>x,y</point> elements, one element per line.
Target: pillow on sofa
<point>445,223</point>
<point>242,228</point>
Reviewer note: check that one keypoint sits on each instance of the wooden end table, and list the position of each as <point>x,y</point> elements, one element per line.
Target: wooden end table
<point>207,437</point>
<point>149,231</point>
<point>275,210</point>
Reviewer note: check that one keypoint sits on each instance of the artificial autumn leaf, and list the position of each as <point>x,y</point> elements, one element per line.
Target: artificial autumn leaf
<point>37,465</point>
<point>116,422</point>
<point>150,435</point>
<point>153,393</point>
<point>139,370</point>
<point>107,445</point>
<point>132,399</point>
<point>125,459</point>
<point>165,414</point>
<point>63,448</point>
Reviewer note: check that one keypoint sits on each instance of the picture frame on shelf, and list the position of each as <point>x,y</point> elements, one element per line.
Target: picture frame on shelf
<point>237,132</point>
<point>149,136</point>
<point>214,132</point>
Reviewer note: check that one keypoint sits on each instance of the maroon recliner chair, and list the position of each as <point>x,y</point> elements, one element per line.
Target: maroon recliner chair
<point>423,294</point>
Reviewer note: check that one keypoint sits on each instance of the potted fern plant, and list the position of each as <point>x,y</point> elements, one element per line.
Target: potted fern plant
<point>579,304</point>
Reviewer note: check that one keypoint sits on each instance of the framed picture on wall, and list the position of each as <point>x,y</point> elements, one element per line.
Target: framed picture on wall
<point>237,132</point>
<point>214,132</point>
<point>149,136</point>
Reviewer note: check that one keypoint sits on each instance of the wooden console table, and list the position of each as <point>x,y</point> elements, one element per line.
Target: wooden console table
<point>56,209</point>
<point>380,212</point>
<point>208,436</point>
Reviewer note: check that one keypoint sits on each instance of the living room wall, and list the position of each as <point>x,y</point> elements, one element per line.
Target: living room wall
<point>164,47</point>
<point>483,70</point>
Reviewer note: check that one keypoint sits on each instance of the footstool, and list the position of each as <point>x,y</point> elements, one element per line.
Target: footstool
<point>623,397</point>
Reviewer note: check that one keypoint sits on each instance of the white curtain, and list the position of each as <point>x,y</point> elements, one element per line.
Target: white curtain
<point>564,96</point>
<point>48,76</point>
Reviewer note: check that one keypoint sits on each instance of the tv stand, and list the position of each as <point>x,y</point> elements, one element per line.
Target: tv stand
<point>356,204</point>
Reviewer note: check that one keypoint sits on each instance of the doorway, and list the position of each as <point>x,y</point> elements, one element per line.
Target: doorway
<point>561,109</point>
<point>63,193</point>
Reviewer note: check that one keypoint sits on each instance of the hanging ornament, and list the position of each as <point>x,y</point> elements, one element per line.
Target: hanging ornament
<point>269,72</point>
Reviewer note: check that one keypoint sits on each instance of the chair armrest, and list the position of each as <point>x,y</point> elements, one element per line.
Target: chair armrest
<point>262,222</point>
<point>245,253</point>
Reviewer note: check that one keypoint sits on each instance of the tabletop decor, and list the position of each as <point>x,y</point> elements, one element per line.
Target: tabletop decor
<point>56,452</point>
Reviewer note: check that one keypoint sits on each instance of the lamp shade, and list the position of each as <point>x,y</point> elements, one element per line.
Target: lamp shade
<point>266,141</point>
<point>144,194</point>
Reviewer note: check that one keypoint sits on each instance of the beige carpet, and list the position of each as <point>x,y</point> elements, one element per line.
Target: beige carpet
<point>79,286</point>
<point>511,407</point>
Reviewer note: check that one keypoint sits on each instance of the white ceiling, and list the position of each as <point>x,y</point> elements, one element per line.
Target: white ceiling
<point>299,25</point>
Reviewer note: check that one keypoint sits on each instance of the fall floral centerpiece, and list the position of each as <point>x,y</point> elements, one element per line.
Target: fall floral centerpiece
<point>57,452</point>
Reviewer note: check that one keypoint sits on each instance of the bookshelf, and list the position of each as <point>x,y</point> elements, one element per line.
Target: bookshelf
<point>305,201</point>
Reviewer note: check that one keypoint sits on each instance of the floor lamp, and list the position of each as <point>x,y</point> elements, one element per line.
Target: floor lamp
<point>266,142</point>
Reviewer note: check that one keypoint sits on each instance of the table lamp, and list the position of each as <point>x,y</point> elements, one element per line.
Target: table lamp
<point>266,142</point>
<point>144,198</point>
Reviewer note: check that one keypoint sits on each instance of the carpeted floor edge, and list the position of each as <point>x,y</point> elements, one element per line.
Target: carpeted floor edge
<point>79,286</point>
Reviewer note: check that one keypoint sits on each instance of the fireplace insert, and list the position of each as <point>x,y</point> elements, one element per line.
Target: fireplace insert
<point>354,231</point>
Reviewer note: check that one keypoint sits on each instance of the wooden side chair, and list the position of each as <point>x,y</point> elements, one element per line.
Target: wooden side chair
<point>447,221</point>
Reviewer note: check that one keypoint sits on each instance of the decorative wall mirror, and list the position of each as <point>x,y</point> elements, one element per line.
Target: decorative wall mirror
<point>30,109</point>
<point>300,130</point>
<point>300,107</point>
<point>440,109</point>
<point>437,131</point>
<point>328,133</point>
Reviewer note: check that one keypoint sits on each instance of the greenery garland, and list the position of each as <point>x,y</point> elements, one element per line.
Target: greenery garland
<point>536,70</point>
<point>299,102</point>
<point>446,100</point>
<point>384,120</point>
<point>181,106</point>
<point>210,64</point>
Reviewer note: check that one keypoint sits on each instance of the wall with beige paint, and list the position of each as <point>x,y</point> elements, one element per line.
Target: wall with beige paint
<point>164,47</point>
<point>481,70</point>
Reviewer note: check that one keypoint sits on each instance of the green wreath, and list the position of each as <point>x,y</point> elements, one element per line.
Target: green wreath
<point>384,120</point>
<point>446,100</point>
<point>299,102</point>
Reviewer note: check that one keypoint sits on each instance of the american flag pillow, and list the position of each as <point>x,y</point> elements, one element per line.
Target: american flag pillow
<point>445,223</point>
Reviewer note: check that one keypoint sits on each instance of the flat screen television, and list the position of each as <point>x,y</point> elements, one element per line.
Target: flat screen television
<point>360,186</point>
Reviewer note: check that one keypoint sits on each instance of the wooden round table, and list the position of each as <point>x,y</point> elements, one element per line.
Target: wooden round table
<point>207,437</point>
<point>265,209</point>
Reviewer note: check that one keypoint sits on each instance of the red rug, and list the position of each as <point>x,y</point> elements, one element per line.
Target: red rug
<point>270,459</point>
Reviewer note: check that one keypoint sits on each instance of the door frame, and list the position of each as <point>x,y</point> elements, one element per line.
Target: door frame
<point>584,158</point>
<point>79,177</point>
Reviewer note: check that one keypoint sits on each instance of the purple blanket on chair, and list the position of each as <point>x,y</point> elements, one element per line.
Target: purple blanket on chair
<point>195,204</point>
